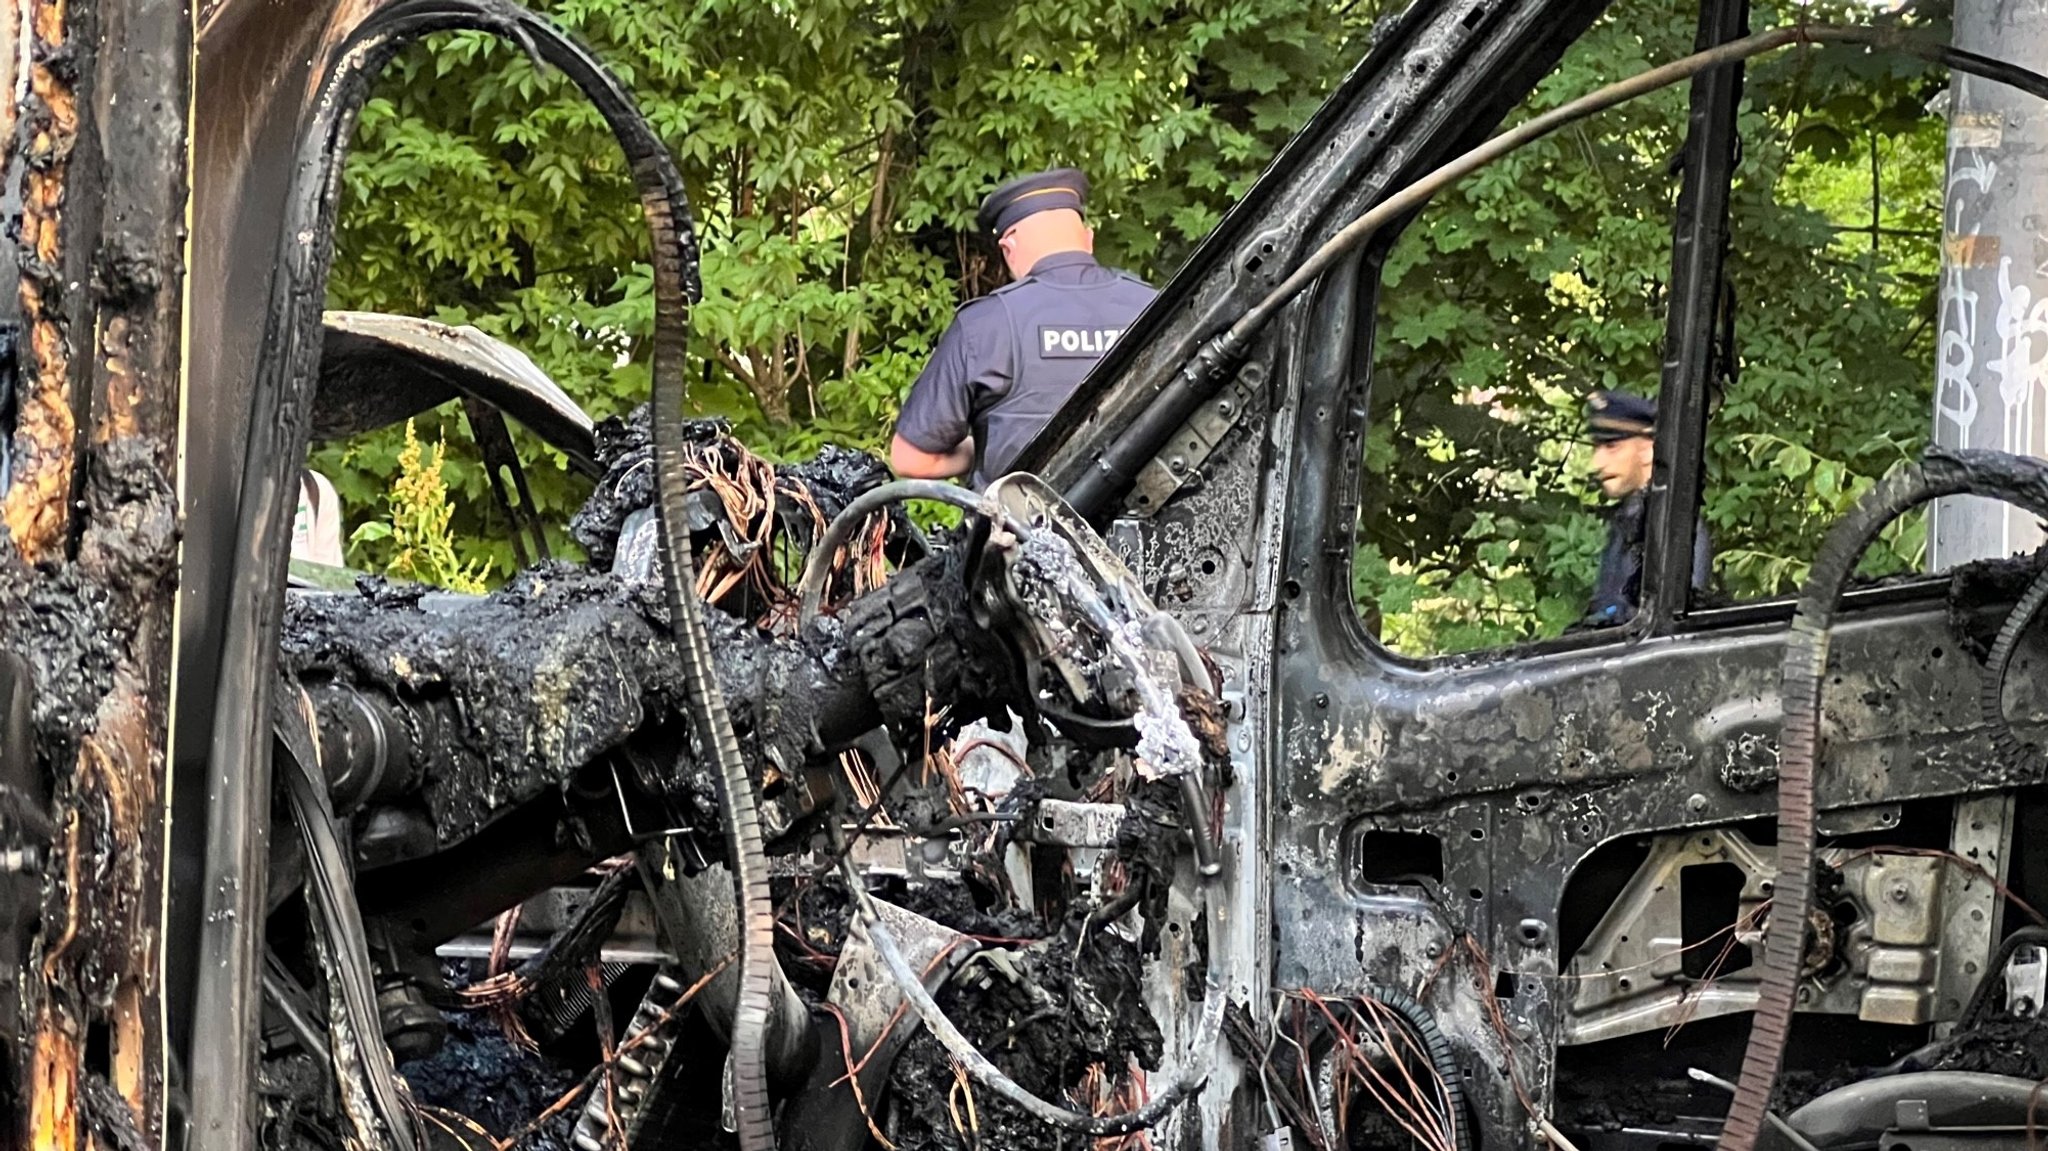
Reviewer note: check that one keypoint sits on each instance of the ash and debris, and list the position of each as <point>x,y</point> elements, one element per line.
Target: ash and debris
<point>1370,1128</point>
<point>1796,1087</point>
<point>1043,1014</point>
<point>2003,1046</point>
<point>108,1117</point>
<point>832,479</point>
<point>290,1090</point>
<point>1152,837</point>
<point>816,918</point>
<point>1614,1103</point>
<point>564,664</point>
<point>1052,999</point>
<point>820,916</point>
<point>500,1084</point>
<point>61,622</point>
<point>1981,593</point>
<point>546,674</point>
<point>954,905</point>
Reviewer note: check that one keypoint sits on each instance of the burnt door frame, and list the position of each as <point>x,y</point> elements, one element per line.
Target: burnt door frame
<point>1519,763</point>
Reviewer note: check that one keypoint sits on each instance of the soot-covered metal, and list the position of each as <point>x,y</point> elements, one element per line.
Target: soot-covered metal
<point>1046,865</point>
<point>546,721</point>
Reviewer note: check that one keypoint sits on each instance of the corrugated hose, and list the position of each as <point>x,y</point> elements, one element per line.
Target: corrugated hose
<point>1998,664</point>
<point>1941,472</point>
<point>1421,1021</point>
<point>279,424</point>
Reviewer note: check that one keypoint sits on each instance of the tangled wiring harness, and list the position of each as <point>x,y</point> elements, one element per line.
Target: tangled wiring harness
<point>1138,639</point>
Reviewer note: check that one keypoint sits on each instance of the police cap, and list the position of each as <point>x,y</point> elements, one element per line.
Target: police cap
<point>1612,416</point>
<point>1038,192</point>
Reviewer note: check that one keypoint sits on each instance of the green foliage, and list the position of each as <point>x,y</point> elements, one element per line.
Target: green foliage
<point>1546,276</point>
<point>834,151</point>
<point>414,541</point>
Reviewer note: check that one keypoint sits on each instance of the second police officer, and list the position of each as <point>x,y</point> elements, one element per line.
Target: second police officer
<point>1012,357</point>
<point>1623,427</point>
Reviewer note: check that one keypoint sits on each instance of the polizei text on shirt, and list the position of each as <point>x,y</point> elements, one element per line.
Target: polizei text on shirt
<point>1090,343</point>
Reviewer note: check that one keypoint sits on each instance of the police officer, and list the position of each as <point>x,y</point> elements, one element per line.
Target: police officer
<point>1624,429</point>
<point>1011,358</point>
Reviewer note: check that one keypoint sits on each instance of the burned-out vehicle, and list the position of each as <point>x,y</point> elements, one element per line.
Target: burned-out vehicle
<point>1101,819</point>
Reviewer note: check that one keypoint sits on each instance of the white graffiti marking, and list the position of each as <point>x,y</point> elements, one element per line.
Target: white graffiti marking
<point>2022,325</point>
<point>1971,166</point>
<point>1953,398</point>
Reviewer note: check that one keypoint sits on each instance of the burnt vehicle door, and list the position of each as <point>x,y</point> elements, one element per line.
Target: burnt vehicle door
<point>1534,835</point>
<point>1392,827</point>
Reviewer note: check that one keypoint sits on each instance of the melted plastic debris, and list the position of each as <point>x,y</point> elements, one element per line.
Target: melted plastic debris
<point>2002,1046</point>
<point>504,1086</point>
<point>1056,1017</point>
<point>559,667</point>
<point>73,620</point>
<point>544,676</point>
<point>62,623</point>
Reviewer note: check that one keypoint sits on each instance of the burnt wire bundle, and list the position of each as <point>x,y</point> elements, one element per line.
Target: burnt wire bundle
<point>753,523</point>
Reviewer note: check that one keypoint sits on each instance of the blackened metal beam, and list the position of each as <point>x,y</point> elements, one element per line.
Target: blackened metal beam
<point>1699,247</point>
<point>101,293</point>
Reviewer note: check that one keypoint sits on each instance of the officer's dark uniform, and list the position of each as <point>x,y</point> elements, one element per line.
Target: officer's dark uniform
<point>1617,589</point>
<point>1011,358</point>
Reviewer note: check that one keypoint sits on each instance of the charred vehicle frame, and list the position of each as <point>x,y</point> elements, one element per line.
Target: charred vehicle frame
<point>1215,866</point>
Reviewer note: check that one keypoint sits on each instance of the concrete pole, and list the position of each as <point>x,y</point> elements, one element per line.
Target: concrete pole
<point>1991,373</point>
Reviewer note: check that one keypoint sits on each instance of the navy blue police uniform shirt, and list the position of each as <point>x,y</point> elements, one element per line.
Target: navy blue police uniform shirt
<point>1012,357</point>
<point>1618,587</point>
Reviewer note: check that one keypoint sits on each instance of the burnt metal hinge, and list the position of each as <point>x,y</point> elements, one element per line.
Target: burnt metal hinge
<point>1180,462</point>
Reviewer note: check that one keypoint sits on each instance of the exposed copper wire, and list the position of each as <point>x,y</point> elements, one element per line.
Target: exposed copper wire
<point>601,1016</point>
<point>1963,862</point>
<point>962,1085</point>
<point>765,569</point>
<point>852,1075</point>
<point>632,1043</point>
<point>1689,1004</point>
<point>897,1015</point>
<point>1402,1102</point>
